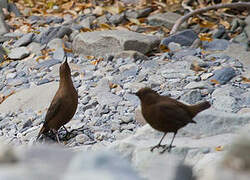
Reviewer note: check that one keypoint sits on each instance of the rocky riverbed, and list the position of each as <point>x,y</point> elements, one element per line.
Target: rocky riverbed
<point>107,68</point>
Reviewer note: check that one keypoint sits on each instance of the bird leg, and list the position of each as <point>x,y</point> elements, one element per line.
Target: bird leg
<point>170,146</point>
<point>67,132</point>
<point>56,134</point>
<point>159,144</point>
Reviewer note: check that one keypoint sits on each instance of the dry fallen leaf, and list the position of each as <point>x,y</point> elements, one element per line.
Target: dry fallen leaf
<point>214,81</point>
<point>245,79</point>
<point>219,148</point>
<point>205,37</point>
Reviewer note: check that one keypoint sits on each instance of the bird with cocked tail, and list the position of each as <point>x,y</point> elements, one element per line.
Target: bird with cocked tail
<point>63,105</point>
<point>166,114</point>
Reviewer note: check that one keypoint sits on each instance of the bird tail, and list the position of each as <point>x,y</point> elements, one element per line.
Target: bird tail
<point>42,130</point>
<point>195,109</point>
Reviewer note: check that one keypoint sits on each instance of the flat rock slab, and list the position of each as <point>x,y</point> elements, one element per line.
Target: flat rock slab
<point>99,43</point>
<point>36,98</point>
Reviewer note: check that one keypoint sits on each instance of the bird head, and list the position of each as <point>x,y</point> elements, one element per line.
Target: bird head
<point>64,69</point>
<point>143,92</point>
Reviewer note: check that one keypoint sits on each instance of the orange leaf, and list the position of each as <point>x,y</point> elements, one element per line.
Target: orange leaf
<point>40,57</point>
<point>245,79</point>
<point>164,48</point>
<point>214,81</point>
<point>205,37</point>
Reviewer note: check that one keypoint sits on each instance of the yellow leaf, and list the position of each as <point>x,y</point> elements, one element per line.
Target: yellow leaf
<point>84,29</point>
<point>225,23</point>
<point>50,4</point>
<point>207,24</point>
<point>219,148</point>
<point>40,57</point>
<point>105,26</point>
<point>90,57</point>
<point>205,37</point>
<point>135,21</point>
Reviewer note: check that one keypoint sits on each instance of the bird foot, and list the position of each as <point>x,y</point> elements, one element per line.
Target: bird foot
<point>165,147</point>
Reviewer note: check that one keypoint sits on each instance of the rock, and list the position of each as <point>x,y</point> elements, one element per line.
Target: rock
<point>56,43</point>
<point>87,21</point>
<point>244,110</point>
<point>107,98</point>
<point>47,64</point>
<point>135,14</point>
<point>196,85</point>
<point>11,75</point>
<point>235,164</point>
<point>12,8</point>
<point>7,155</point>
<point>183,53</point>
<point>23,41</point>
<point>109,165</point>
<point>19,53</point>
<point>102,86</point>
<point>184,38</point>
<point>4,4</point>
<point>216,122</point>
<point>17,81</point>
<point>132,55</point>
<point>172,46</point>
<point>225,103</point>
<point>205,76</point>
<point>238,51</point>
<point>223,75</point>
<point>117,18</point>
<point>191,97</point>
<point>81,138</point>
<point>64,30</point>
<point>59,54</point>
<point>3,26</point>
<point>27,99</point>
<point>167,19</point>
<point>216,45</point>
<point>187,150</point>
<point>111,42</point>
<point>42,81</point>
<point>35,47</point>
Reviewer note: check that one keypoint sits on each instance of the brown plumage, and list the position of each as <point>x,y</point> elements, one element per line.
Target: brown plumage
<point>166,114</point>
<point>63,105</point>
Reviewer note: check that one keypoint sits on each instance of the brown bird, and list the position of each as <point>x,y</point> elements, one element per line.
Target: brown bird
<point>166,114</point>
<point>63,105</point>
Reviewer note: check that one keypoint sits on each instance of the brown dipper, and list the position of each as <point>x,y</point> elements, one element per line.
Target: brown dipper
<point>166,114</point>
<point>63,105</point>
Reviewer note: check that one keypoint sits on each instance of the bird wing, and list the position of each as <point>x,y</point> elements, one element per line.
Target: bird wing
<point>53,109</point>
<point>176,114</point>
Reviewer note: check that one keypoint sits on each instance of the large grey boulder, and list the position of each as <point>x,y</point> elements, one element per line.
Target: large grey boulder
<point>36,98</point>
<point>235,164</point>
<point>53,162</point>
<point>99,43</point>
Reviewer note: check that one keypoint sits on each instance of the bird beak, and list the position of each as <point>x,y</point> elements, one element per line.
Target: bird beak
<point>135,94</point>
<point>65,59</point>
